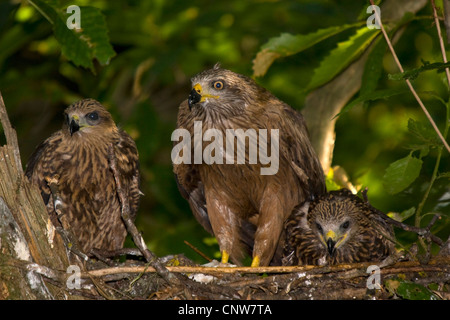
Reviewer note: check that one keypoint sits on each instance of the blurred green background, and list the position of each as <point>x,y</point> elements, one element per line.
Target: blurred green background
<point>160,44</point>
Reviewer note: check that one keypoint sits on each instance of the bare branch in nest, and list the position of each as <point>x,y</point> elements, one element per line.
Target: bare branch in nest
<point>10,134</point>
<point>131,227</point>
<point>423,232</point>
<point>204,256</point>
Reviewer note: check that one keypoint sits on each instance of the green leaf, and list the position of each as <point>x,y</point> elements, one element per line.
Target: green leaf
<point>288,44</point>
<point>371,96</point>
<point>402,216</point>
<point>340,57</point>
<point>413,291</point>
<point>95,34</point>
<point>83,45</point>
<point>414,73</point>
<point>401,173</point>
<point>424,133</point>
<point>373,67</point>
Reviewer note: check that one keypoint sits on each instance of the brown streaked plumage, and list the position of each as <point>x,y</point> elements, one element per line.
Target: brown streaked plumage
<point>235,202</point>
<point>77,156</point>
<point>336,228</point>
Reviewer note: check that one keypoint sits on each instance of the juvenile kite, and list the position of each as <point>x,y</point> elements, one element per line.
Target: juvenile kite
<point>242,205</point>
<point>76,158</point>
<point>336,228</point>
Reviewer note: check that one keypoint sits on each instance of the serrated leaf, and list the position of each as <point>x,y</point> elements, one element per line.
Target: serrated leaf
<point>288,44</point>
<point>340,57</point>
<point>83,45</point>
<point>401,173</point>
<point>424,133</point>
<point>95,34</point>
<point>371,96</point>
<point>373,67</point>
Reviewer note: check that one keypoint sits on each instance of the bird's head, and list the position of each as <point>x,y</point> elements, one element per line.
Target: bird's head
<point>336,221</point>
<point>334,234</point>
<point>222,92</point>
<point>87,116</point>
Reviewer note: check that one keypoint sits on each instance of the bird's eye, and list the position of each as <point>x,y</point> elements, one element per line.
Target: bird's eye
<point>345,225</point>
<point>218,85</point>
<point>319,227</point>
<point>92,116</point>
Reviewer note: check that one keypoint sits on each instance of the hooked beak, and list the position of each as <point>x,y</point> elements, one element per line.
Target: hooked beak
<point>330,246</point>
<point>194,97</point>
<point>198,95</point>
<point>331,241</point>
<point>74,125</point>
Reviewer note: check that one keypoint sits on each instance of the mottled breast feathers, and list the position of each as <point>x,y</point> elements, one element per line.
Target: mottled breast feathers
<point>77,156</point>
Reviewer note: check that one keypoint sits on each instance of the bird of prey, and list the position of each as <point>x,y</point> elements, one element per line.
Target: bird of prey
<point>240,204</point>
<point>337,227</point>
<point>76,157</point>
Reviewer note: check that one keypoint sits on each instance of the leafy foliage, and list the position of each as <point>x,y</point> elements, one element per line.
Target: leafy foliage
<point>81,44</point>
<point>401,173</point>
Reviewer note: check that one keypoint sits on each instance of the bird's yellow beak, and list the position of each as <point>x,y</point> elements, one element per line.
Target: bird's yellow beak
<point>333,241</point>
<point>77,124</point>
<point>330,235</point>
<point>74,124</point>
<point>198,95</point>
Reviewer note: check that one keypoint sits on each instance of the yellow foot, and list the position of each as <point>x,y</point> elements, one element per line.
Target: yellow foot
<point>225,256</point>
<point>255,262</point>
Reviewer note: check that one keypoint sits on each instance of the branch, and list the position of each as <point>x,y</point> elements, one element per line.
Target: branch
<point>447,18</point>
<point>441,40</point>
<point>10,134</point>
<point>131,227</point>
<point>423,232</point>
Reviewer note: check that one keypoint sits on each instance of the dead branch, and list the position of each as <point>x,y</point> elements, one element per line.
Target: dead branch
<point>423,232</point>
<point>10,134</point>
<point>131,227</point>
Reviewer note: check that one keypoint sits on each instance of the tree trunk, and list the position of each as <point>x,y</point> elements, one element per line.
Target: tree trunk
<point>26,234</point>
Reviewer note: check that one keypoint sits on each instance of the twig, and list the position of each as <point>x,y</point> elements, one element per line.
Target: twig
<point>423,232</point>
<point>131,227</point>
<point>447,18</point>
<point>10,134</point>
<point>206,270</point>
<point>441,40</point>
<point>261,270</point>
<point>413,91</point>
<point>115,253</point>
<point>198,251</point>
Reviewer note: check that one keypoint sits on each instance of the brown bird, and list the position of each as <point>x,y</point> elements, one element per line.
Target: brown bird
<point>242,198</point>
<point>337,227</point>
<point>77,157</point>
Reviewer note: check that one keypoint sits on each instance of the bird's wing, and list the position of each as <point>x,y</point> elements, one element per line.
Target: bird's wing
<point>128,161</point>
<point>191,188</point>
<point>188,178</point>
<point>296,147</point>
<point>41,165</point>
